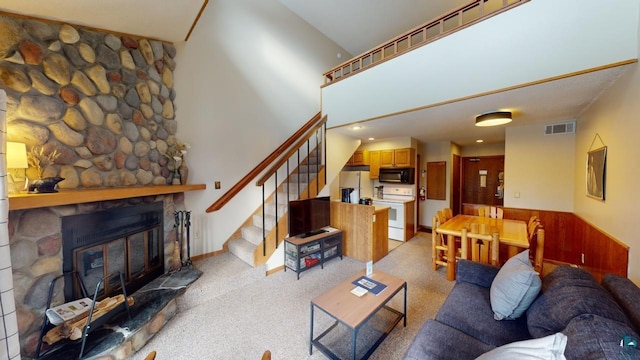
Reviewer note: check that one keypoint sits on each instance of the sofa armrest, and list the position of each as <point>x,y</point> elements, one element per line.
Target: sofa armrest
<point>476,273</point>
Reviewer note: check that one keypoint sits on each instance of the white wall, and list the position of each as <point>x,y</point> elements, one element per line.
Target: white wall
<point>340,147</point>
<point>482,150</point>
<point>538,168</point>
<point>598,35</point>
<point>613,120</point>
<point>247,79</point>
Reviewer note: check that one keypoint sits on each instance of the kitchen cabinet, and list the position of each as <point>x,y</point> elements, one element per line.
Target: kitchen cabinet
<point>358,158</point>
<point>398,158</point>
<point>365,230</point>
<point>374,164</point>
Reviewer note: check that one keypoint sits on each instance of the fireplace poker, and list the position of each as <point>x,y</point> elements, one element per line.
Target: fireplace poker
<point>188,226</point>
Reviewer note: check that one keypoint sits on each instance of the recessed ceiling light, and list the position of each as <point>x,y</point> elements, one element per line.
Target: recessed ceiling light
<point>356,127</point>
<point>479,141</point>
<point>371,139</point>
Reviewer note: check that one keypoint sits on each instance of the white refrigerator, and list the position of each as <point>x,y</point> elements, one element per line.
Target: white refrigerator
<point>360,181</point>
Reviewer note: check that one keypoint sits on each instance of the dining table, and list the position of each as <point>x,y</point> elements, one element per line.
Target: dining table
<point>512,233</point>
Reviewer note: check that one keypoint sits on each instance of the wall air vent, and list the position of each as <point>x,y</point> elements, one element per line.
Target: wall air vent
<point>568,127</point>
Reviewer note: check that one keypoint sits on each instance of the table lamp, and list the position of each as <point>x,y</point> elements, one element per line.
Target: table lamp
<point>16,160</point>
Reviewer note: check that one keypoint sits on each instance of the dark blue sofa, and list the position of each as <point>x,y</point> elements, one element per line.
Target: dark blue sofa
<point>595,318</point>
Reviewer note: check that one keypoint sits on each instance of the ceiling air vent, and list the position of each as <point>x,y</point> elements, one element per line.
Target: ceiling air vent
<point>568,127</point>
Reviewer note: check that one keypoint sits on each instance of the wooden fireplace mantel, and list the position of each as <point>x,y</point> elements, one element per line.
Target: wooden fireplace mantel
<point>66,197</point>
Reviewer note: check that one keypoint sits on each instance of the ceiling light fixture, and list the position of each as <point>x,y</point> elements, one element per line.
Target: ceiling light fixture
<point>371,139</point>
<point>356,127</point>
<point>479,141</point>
<point>494,118</point>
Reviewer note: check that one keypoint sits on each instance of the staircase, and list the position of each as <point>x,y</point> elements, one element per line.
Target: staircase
<point>247,242</point>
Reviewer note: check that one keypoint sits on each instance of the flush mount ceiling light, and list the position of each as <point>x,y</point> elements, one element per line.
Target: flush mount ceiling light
<point>493,118</point>
<point>356,127</point>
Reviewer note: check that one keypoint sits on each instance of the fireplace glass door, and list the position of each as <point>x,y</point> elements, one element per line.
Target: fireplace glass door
<point>134,256</point>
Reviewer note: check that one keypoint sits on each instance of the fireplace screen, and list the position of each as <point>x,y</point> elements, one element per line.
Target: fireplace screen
<point>106,243</point>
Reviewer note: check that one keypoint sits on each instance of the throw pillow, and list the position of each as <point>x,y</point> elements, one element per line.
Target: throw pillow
<point>514,288</point>
<point>549,348</point>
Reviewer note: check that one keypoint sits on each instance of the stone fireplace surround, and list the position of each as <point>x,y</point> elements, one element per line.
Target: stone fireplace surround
<point>105,103</point>
<point>37,256</point>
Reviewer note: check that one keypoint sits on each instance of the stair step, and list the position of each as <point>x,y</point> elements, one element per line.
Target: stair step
<point>243,249</point>
<point>269,221</point>
<point>252,234</point>
<point>302,177</point>
<point>302,169</point>
<point>270,209</point>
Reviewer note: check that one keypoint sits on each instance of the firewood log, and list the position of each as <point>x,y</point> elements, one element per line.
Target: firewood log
<point>73,328</point>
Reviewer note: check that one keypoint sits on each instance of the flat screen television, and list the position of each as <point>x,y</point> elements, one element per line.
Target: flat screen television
<point>308,217</point>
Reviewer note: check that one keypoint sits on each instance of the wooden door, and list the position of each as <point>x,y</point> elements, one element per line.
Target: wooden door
<point>480,179</point>
<point>456,180</point>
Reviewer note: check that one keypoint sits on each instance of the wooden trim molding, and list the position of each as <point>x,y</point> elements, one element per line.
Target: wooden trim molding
<point>67,197</point>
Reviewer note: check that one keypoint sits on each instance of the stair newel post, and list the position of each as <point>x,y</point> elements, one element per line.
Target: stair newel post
<point>264,244</point>
<point>308,170</point>
<point>324,148</point>
<point>277,217</point>
<point>298,152</point>
<point>317,163</point>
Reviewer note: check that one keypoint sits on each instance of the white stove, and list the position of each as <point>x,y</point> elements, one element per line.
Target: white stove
<point>395,198</point>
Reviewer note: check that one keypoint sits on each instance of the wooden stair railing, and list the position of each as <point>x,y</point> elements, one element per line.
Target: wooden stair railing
<point>314,129</point>
<point>316,133</point>
<point>464,16</point>
<point>235,189</point>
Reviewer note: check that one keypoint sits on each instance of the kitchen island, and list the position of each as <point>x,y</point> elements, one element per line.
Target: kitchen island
<point>365,230</point>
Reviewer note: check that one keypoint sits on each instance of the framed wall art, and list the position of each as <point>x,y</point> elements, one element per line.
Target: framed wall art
<point>596,171</point>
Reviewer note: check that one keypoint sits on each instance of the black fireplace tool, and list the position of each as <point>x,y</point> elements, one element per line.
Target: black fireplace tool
<point>183,226</point>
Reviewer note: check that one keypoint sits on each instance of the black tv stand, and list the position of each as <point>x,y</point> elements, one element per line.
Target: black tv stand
<point>301,254</point>
<point>312,233</point>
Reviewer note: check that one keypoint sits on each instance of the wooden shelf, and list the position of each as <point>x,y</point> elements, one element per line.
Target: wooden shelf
<point>66,197</point>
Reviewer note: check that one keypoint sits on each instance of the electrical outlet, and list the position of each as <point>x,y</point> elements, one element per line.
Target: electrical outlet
<point>217,185</point>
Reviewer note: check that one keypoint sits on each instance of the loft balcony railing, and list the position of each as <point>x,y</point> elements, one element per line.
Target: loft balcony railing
<point>460,18</point>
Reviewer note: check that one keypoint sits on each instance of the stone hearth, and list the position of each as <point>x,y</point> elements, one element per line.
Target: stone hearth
<point>155,304</point>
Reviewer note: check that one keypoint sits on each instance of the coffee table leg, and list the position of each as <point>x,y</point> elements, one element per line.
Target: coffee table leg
<point>354,336</point>
<point>311,333</point>
<point>405,304</point>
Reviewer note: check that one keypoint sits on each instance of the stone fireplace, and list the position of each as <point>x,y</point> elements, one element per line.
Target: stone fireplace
<point>38,252</point>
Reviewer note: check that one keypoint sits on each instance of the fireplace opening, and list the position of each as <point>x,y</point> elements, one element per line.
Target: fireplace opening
<point>105,243</point>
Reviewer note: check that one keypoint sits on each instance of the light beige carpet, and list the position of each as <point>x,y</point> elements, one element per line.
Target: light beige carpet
<point>234,312</point>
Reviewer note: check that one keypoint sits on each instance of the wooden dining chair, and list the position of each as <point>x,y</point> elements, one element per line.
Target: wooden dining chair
<point>448,213</point>
<point>151,355</point>
<point>438,246</point>
<point>491,212</point>
<point>536,244</point>
<point>485,248</point>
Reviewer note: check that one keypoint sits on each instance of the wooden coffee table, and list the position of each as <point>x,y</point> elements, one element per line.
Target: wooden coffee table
<point>354,312</point>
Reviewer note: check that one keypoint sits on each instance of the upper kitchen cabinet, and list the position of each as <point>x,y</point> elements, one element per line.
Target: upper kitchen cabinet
<point>374,164</point>
<point>398,158</point>
<point>358,158</point>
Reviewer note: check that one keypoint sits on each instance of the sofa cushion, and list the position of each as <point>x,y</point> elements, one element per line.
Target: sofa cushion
<point>564,298</point>
<point>475,273</point>
<point>627,294</point>
<point>438,341</point>
<point>561,275</point>
<point>468,309</point>
<point>514,288</point>
<point>594,337</point>
<point>547,348</point>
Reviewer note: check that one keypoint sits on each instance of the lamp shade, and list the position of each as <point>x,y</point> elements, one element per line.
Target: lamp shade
<point>494,118</point>
<point>16,156</point>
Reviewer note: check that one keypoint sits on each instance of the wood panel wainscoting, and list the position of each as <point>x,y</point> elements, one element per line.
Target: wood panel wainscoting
<point>569,239</point>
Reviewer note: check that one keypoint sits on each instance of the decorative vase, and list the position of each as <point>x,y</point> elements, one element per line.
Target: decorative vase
<point>176,178</point>
<point>183,170</point>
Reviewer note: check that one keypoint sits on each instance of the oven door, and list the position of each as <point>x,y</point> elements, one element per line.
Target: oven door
<point>396,215</point>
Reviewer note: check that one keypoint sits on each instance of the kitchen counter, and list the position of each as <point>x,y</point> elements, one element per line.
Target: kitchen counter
<point>365,230</point>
